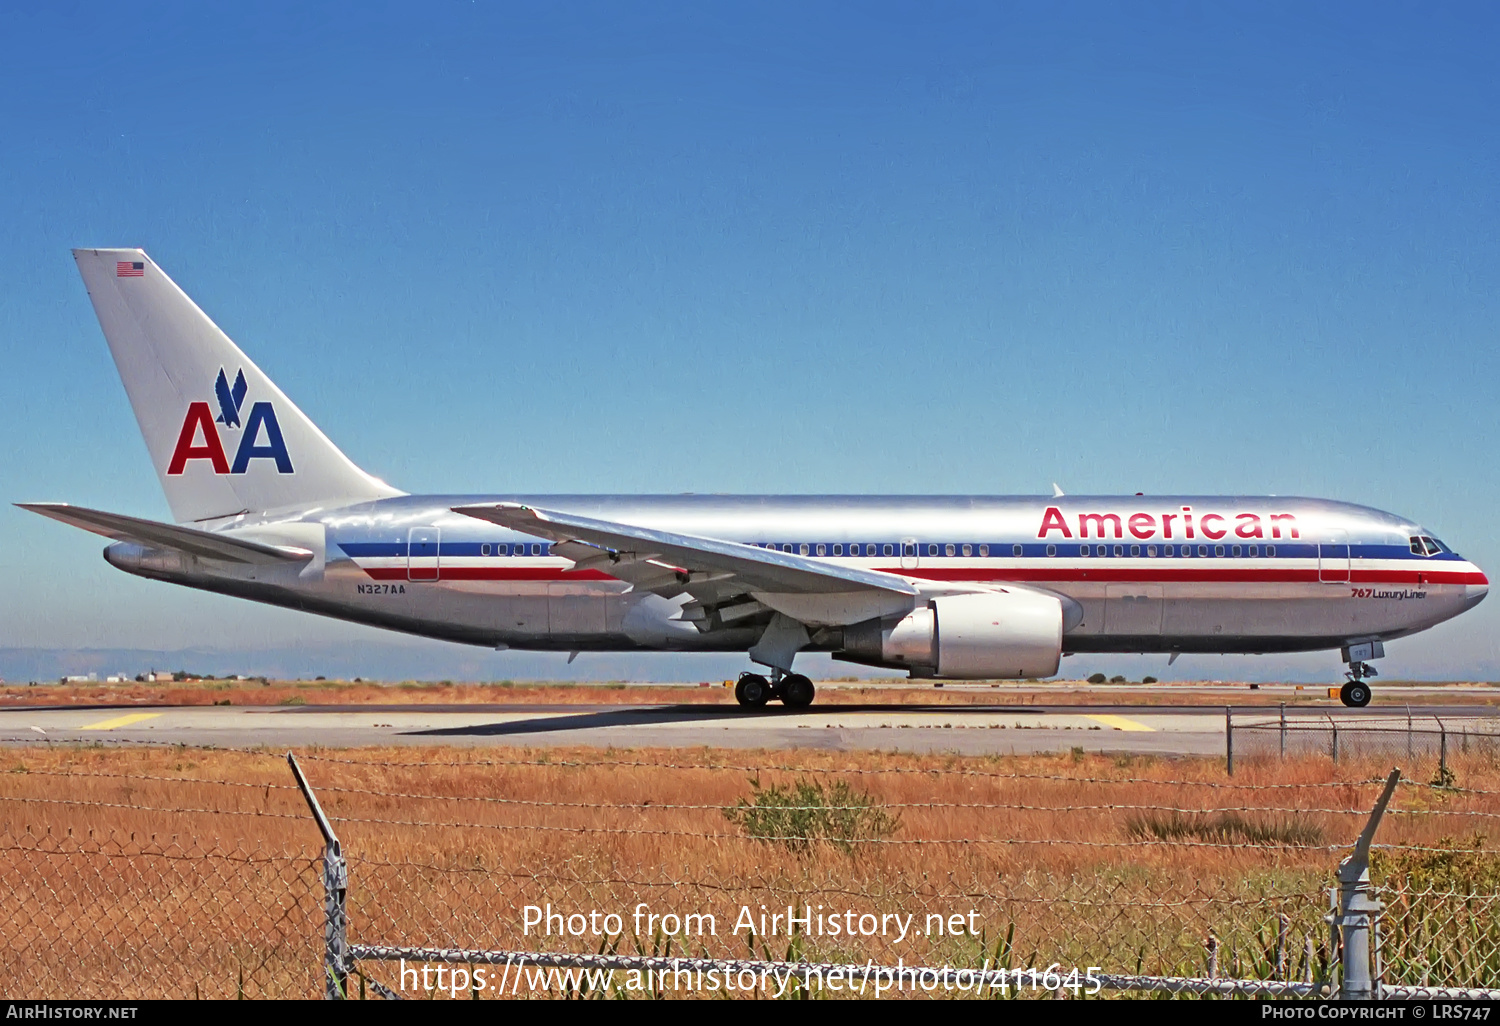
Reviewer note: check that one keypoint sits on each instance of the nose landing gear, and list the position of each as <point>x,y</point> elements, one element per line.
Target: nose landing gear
<point>1356,693</point>
<point>753,691</point>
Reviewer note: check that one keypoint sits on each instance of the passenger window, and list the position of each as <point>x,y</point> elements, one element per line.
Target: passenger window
<point>838,550</point>
<point>1135,550</point>
<point>968,550</point>
<point>887,549</point>
<point>908,548</point>
<point>1051,550</point>
<point>1150,550</point>
<point>1218,550</point>
<point>1119,550</point>
<point>1202,550</point>
<point>1270,550</point>
<point>484,550</point>
<point>822,549</point>
<point>1255,550</point>
<point>786,547</point>
<point>1083,550</point>
<point>1236,550</point>
<point>1169,550</point>
<point>948,550</point>
<point>1015,550</point>
<point>802,549</point>
<point>932,550</point>
<point>984,550</point>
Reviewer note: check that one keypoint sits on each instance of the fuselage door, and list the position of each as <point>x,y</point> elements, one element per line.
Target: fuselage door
<point>909,557</point>
<point>422,553</point>
<point>1333,557</point>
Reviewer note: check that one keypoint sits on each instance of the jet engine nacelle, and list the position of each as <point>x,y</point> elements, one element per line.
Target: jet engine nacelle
<point>1007,634</point>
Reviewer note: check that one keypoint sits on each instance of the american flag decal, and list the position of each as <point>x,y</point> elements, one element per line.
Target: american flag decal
<point>130,269</point>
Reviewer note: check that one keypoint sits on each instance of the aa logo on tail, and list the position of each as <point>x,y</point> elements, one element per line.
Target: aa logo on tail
<point>200,439</point>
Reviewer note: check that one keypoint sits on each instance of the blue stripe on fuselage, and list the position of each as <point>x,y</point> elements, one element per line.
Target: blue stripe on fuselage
<point>997,550</point>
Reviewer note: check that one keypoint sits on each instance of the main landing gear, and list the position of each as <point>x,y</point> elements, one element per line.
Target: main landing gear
<point>753,691</point>
<point>1356,693</point>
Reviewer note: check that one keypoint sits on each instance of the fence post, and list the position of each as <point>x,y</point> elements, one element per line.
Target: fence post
<point>335,890</point>
<point>1334,744</point>
<point>1283,930</point>
<point>1442,751</point>
<point>1283,730</point>
<point>1229,739</point>
<point>1357,908</point>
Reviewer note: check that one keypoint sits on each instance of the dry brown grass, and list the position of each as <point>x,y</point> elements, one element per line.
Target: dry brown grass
<point>186,871</point>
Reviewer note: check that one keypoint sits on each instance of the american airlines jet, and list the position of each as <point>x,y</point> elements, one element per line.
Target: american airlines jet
<point>952,587</point>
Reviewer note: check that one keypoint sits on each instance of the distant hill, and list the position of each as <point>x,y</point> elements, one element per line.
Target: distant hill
<point>391,661</point>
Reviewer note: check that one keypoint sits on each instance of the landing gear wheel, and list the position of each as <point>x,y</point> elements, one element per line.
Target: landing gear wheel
<point>797,692</point>
<point>753,691</point>
<point>1355,694</point>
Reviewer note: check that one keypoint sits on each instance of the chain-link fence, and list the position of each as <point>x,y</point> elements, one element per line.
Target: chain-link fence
<point>119,916</point>
<point>200,878</point>
<point>1425,745</point>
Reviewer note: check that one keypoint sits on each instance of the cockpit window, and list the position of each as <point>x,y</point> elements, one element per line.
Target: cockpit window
<point>1417,548</point>
<point>1423,545</point>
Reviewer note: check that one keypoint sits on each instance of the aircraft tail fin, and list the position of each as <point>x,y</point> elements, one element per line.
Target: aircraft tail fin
<point>223,438</point>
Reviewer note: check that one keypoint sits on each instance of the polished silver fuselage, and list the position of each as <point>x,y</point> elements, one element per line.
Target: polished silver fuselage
<point>1260,574</point>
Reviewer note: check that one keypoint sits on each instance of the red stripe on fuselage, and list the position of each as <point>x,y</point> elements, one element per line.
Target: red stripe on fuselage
<point>485,573</point>
<point>1102,574</point>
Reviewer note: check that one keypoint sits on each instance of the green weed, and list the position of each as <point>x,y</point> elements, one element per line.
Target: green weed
<point>808,812</point>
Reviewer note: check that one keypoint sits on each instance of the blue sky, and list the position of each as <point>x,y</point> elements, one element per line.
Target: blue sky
<point>798,248</point>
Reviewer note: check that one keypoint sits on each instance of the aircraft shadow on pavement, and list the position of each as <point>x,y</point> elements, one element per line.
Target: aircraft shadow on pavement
<point>587,721</point>
<point>681,714</point>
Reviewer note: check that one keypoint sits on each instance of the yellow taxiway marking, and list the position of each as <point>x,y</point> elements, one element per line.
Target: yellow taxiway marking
<point>1121,723</point>
<point>120,721</point>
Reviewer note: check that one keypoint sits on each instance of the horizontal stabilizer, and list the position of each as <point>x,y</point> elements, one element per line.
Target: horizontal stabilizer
<point>151,533</point>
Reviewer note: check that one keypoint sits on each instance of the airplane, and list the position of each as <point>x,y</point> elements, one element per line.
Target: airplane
<point>941,587</point>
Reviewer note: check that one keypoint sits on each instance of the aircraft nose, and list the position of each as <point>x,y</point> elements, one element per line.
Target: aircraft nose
<point>1474,593</point>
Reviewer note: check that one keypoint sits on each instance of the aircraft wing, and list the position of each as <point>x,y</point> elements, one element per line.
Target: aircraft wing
<point>196,542</point>
<point>778,578</point>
